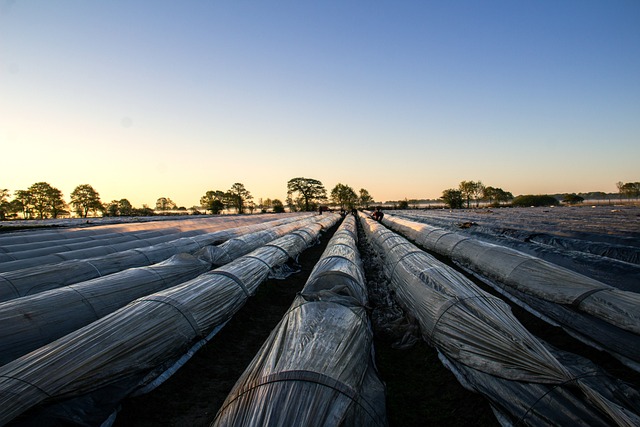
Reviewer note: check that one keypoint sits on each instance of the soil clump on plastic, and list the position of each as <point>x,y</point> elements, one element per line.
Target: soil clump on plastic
<point>420,390</point>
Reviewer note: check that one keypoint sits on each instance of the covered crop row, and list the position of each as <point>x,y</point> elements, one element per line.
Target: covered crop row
<point>53,251</point>
<point>70,234</point>
<point>316,367</point>
<point>596,311</point>
<point>32,321</point>
<point>39,278</point>
<point>476,334</point>
<point>109,358</point>
<point>610,256</point>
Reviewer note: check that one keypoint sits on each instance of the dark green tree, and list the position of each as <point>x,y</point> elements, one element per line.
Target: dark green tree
<point>165,204</point>
<point>344,196</point>
<point>46,200</point>
<point>631,189</point>
<point>213,201</point>
<point>237,197</point>
<point>467,189</point>
<point>85,199</point>
<point>305,193</point>
<point>4,204</point>
<point>527,200</point>
<point>365,199</point>
<point>22,200</point>
<point>572,199</point>
<point>277,206</point>
<point>452,198</point>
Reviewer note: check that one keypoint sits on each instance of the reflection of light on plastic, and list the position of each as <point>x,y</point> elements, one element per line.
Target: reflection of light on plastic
<point>126,122</point>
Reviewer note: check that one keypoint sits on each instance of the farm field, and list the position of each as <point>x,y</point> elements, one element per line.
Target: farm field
<point>601,244</point>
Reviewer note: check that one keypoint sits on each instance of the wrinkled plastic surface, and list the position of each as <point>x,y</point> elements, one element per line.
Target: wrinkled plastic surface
<point>316,367</point>
<point>136,235</point>
<point>139,341</point>
<point>529,278</point>
<point>39,278</point>
<point>602,242</point>
<point>478,331</point>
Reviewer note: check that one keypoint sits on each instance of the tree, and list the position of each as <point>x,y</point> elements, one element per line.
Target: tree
<point>630,189</point>
<point>278,207</point>
<point>467,189</point>
<point>84,199</point>
<point>22,200</point>
<point>4,203</point>
<point>165,204</point>
<point>305,193</point>
<point>452,198</point>
<point>572,199</point>
<point>46,200</point>
<point>238,196</point>
<point>125,208</point>
<point>534,200</point>
<point>213,201</point>
<point>403,204</point>
<point>365,199</point>
<point>111,209</point>
<point>496,195</point>
<point>620,186</point>
<point>344,196</point>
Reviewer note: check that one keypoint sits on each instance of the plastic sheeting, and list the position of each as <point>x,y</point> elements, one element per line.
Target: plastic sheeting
<point>605,253</point>
<point>138,342</point>
<point>478,331</point>
<point>29,281</point>
<point>48,252</point>
<point>529,278</point>
<point>95,228</point>
<point>30,322</point>
<point>316,368</point>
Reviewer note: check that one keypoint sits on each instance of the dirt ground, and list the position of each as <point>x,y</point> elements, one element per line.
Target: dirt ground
<point>420,391</point>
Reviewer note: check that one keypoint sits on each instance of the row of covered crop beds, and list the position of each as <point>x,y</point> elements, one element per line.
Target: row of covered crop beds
<point>83,343</point>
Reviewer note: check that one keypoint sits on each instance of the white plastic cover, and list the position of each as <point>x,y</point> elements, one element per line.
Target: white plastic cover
<point>475,329</point>
<point>528,277</point>
<point>137,342</point>
<point>316,368</point>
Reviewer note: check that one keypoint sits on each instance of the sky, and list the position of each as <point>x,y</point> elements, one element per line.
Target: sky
<point>150,99</point>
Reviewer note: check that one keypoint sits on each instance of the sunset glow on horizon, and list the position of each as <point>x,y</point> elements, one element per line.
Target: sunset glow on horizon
<point>144,99</point>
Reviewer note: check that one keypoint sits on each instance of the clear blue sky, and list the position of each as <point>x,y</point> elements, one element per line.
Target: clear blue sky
<point>149,99</point>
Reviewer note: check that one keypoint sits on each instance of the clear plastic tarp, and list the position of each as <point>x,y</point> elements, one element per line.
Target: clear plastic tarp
<point>528,278</point>
<point>32,321</point>
<point>601,242</point>
<point>132,346</point>
<point>38,278</point>
<point>479,332</point>
<point>52,251</point>
<point>316,368</point>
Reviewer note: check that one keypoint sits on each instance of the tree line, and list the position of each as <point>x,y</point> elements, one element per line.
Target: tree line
<point>468,191</point>
<point>475,191</point>
<point>303,195</point>
<point>41,201</point>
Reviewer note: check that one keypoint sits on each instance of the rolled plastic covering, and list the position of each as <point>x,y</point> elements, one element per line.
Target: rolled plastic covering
<point>134,344</point>
<point>316,367</point>
<point>528,274</point>
<point>477,330</point>
<point>105,246</point>
<point>243,244</point>
<point>32,321</point>
<point>54,236</point>
<point>31,280</point>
